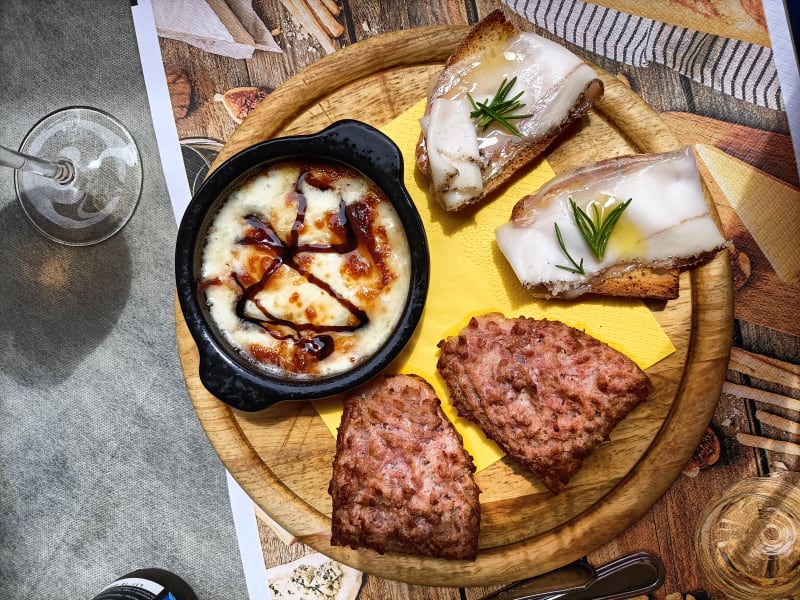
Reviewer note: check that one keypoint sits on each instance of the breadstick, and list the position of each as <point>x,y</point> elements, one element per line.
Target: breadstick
<point>300,12</point>
<point>761,396</point>
<point>778,422</point>
<point>331,26</point>
<point>767,444</point>
<point>332,7</point>
<point>764,367</point>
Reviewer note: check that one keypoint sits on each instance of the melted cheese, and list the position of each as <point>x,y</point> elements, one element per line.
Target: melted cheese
<point>341,283</point>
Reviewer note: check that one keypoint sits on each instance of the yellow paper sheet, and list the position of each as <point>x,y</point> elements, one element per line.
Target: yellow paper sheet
<point>470,276</point>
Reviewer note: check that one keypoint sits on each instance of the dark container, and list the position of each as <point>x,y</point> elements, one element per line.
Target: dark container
<point>148,584</point>
<point>224,372</point>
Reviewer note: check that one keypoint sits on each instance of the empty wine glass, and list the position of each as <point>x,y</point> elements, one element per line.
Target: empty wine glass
<point>78,175</point>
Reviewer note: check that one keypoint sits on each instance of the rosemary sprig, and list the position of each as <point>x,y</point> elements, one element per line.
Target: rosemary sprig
<point>596,231</point>
<point>499,109</point>
<point>575,268</point>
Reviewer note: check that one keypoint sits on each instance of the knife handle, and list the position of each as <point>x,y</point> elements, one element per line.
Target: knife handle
<point>631,575</point>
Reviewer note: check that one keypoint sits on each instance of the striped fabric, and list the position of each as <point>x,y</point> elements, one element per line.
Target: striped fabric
<point>740,69</point>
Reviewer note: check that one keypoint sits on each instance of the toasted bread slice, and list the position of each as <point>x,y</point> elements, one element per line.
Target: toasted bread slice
<point>638,282</point>
<point>465,161</point>
<point>666,226</point>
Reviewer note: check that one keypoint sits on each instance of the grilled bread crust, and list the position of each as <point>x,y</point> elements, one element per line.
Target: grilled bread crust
<point>640,282</point>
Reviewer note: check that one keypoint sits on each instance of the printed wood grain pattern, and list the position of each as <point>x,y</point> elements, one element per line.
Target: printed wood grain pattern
<point>763,324</point>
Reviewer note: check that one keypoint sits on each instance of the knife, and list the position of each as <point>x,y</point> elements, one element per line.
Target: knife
<point>631,575</point>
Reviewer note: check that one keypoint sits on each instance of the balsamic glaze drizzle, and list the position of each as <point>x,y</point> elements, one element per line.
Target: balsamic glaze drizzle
<point>319,345</point>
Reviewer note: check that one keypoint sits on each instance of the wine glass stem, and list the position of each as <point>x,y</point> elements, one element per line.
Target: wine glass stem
<point>61,171</point>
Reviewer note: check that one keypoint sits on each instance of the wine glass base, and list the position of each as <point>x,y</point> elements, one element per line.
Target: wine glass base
<point>748,542</point>
<point>198,156</point>
<point>107,185</point>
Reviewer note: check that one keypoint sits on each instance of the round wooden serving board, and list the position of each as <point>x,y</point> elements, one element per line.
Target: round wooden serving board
<point>282,457</point>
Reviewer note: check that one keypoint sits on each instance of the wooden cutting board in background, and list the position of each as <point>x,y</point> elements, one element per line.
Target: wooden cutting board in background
<point>282,456</point>
<point>759,207</point>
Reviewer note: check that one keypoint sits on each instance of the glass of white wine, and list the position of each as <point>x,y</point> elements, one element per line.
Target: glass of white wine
<point>78,175</point>
<point>748,540</point>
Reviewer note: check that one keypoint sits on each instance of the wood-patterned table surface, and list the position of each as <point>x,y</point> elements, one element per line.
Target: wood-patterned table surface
<point>766,337</point>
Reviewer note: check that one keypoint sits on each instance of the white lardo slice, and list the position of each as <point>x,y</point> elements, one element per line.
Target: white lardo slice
<point>314,577</point>
<point>666,225</point>
<point>453,151</point>
<point>549,77</point>
<point>552,85</point>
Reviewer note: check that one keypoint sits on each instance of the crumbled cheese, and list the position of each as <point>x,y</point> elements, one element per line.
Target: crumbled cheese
<point>308,582</point>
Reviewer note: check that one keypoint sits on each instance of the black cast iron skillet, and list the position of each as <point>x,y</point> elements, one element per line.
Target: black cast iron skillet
<point>223,370</point>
